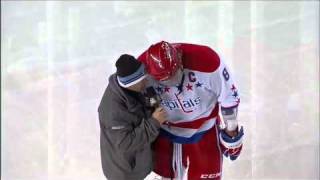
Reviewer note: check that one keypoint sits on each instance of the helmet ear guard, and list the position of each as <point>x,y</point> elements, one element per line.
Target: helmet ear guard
<point>163,60</point>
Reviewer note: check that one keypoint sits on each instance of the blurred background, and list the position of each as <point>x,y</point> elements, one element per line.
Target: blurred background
<point>56,57</point>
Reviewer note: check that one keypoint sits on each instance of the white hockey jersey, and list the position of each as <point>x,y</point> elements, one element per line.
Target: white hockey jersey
<point>193,106</point>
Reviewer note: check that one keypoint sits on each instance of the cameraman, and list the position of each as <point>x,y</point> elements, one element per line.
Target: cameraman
<point>128,126</point>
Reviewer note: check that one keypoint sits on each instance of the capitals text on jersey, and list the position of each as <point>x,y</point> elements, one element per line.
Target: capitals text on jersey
<point>186,105</point>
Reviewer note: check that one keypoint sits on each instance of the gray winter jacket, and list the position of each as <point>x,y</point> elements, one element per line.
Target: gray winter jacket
<point>127,131</point>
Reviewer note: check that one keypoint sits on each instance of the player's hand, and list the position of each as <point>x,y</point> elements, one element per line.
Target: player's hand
<point>160,115</point>
<point>231,133</point>
<point>232,144</point>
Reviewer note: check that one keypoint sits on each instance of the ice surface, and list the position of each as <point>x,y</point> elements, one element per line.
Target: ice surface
<point>56,57</point>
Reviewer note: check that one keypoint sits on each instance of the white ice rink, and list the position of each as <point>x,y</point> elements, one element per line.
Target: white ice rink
<point>56,57</point>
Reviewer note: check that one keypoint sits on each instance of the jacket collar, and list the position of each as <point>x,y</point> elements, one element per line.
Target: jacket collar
<point>122,94</point>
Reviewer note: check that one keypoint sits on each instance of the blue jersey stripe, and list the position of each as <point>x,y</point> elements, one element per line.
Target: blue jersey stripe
<point>182,140</point>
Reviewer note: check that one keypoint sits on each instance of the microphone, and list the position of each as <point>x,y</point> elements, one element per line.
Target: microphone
<point>152,98</point>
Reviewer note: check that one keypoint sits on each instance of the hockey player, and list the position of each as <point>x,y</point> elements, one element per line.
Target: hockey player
<point>194,84</point>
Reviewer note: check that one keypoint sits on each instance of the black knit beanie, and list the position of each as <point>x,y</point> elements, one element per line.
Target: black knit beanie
<point>129,70</point>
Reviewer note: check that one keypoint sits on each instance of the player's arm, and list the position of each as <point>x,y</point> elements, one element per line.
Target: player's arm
<point>231,136</point>
<point>229,98</point>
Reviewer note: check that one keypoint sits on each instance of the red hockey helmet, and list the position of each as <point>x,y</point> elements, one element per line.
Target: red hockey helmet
<point>162,60</point>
